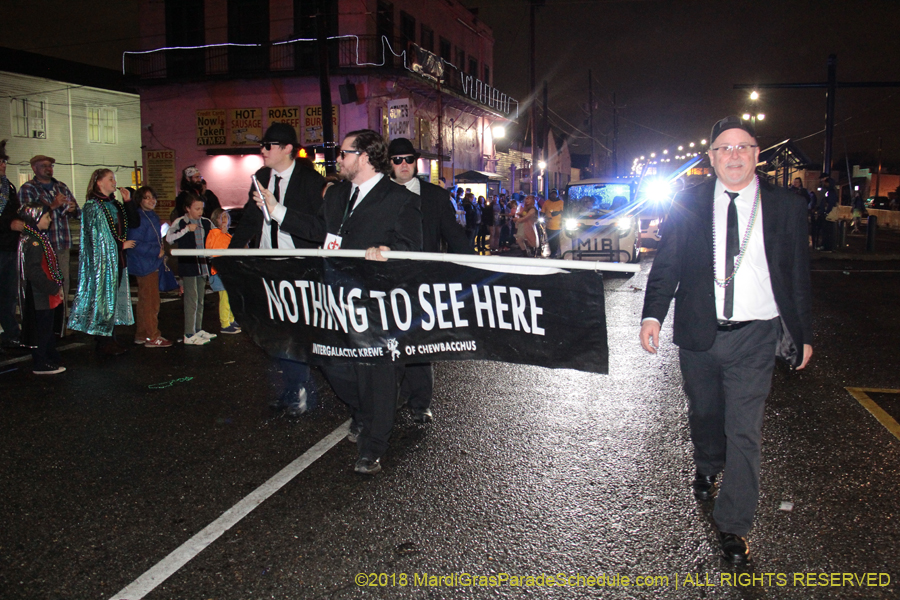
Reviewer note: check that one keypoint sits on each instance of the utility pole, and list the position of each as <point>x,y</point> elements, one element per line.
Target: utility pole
<point>831,86</point>
<point>545,134</point>
<point>878,173</point>
<point>533,102</point>
<point>615,143</point>
<point>591,119</point>
<point>440,140</point>
<point>829,114</point>
<point>325,91</point>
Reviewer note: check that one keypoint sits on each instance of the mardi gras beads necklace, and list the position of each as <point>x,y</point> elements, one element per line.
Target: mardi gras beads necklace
<point>744,243</point>
<point>49,254</point>
<point>109,218</point>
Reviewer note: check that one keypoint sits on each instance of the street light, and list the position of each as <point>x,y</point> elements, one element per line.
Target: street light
<point>499,131</point>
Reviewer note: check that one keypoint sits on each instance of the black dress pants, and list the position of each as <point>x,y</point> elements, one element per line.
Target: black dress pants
<point>727,387</point>
<point>371,393</point>
<point>418,385</point>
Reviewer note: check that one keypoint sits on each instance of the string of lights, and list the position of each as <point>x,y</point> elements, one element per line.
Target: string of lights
<point>471,84</point>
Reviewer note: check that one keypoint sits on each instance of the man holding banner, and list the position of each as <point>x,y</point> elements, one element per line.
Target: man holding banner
<point>367,212</point>
<point>438,225</point>
<point>293,192</point>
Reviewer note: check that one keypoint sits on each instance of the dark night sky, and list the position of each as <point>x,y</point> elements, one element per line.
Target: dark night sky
<point>671,63</point>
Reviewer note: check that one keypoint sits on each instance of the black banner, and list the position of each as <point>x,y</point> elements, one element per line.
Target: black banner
<point>330,310</point>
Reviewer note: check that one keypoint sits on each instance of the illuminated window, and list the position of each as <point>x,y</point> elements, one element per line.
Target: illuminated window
<point>101,125</point>
<point>29,117</point>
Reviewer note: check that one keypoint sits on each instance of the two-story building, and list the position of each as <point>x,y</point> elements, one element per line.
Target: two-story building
<point>214,74</point>
<point>78,114</point>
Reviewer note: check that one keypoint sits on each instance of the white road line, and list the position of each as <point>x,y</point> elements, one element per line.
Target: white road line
<point>28,356</point>
<point>165,568</point>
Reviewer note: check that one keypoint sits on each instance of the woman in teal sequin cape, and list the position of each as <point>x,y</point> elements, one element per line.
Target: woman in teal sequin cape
<point>103,300</point>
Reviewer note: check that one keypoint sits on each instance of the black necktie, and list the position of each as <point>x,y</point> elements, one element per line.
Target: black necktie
<point>273,226</point>
<point>732,249</point>
<point>349,209</point>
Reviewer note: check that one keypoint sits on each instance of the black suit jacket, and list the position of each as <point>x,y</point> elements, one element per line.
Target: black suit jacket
<point>302,199</point>
<point>389,215</point>
<point>683,267</point>
<point>439,221</point>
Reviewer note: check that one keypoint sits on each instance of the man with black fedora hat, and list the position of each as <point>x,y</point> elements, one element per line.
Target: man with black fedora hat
<point>439,227</point>
<point>296,189</point>
<point>735,258</point>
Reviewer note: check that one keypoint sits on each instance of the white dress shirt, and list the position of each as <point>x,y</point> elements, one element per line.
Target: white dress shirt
<point>284,239</point>
<point>414,185</point>
<point>753,297</point>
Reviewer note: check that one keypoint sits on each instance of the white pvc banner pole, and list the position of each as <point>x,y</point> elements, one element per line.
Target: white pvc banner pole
<point>468,259</point>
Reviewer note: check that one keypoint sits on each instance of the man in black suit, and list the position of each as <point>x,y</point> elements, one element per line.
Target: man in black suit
<point>295,190</point>
<point>438,224</point>
<point>367,212</point>
<point>735,258</point>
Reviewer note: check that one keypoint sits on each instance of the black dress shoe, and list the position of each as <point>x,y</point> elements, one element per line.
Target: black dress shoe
<point>735,549</point>
<point>368,466</point>
<point>355,431</point>
<point>704,486</point>
<point>422,416</point>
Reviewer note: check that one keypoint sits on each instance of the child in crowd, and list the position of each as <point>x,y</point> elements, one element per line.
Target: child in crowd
<point>189,232</point>
<point>144,261</point>
<point>219,239</point>
<point>40,289</point>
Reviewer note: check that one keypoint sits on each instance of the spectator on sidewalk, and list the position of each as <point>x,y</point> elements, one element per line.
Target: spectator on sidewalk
<point>220,238</point>
<point>40,289</point>
<point>103,299</point>
<point>144,262</point>
<point>10,226</point>
<point>189,232</point>
<point>55,194</point>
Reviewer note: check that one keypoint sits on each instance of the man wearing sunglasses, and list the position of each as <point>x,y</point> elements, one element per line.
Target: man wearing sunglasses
<point>438,225</point>
<point>367,211</point>
<point>294,190</point>
<point>735,258</point>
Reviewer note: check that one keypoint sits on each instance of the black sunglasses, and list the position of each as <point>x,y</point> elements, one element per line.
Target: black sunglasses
<point>267,146</point>
<point>398,160</point>
<point>343,153</point>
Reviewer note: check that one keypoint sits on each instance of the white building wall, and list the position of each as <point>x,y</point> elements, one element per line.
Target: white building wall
<point>67,131</point>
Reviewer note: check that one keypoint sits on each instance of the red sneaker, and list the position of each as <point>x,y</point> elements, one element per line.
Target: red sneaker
<point>159,342</point>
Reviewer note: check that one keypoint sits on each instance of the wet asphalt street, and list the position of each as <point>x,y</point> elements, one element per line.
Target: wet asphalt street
<point>526,472</point>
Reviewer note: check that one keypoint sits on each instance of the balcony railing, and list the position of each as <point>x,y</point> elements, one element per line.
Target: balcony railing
<point>300,57</point>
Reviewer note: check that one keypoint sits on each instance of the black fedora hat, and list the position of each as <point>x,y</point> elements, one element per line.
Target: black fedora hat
<point>281,133</point>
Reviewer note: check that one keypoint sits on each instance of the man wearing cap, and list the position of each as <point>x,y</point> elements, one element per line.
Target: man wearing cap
<point>295,192</point>
<point>438,224</point>
<point>55,194</point>
<point>735,258</point>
